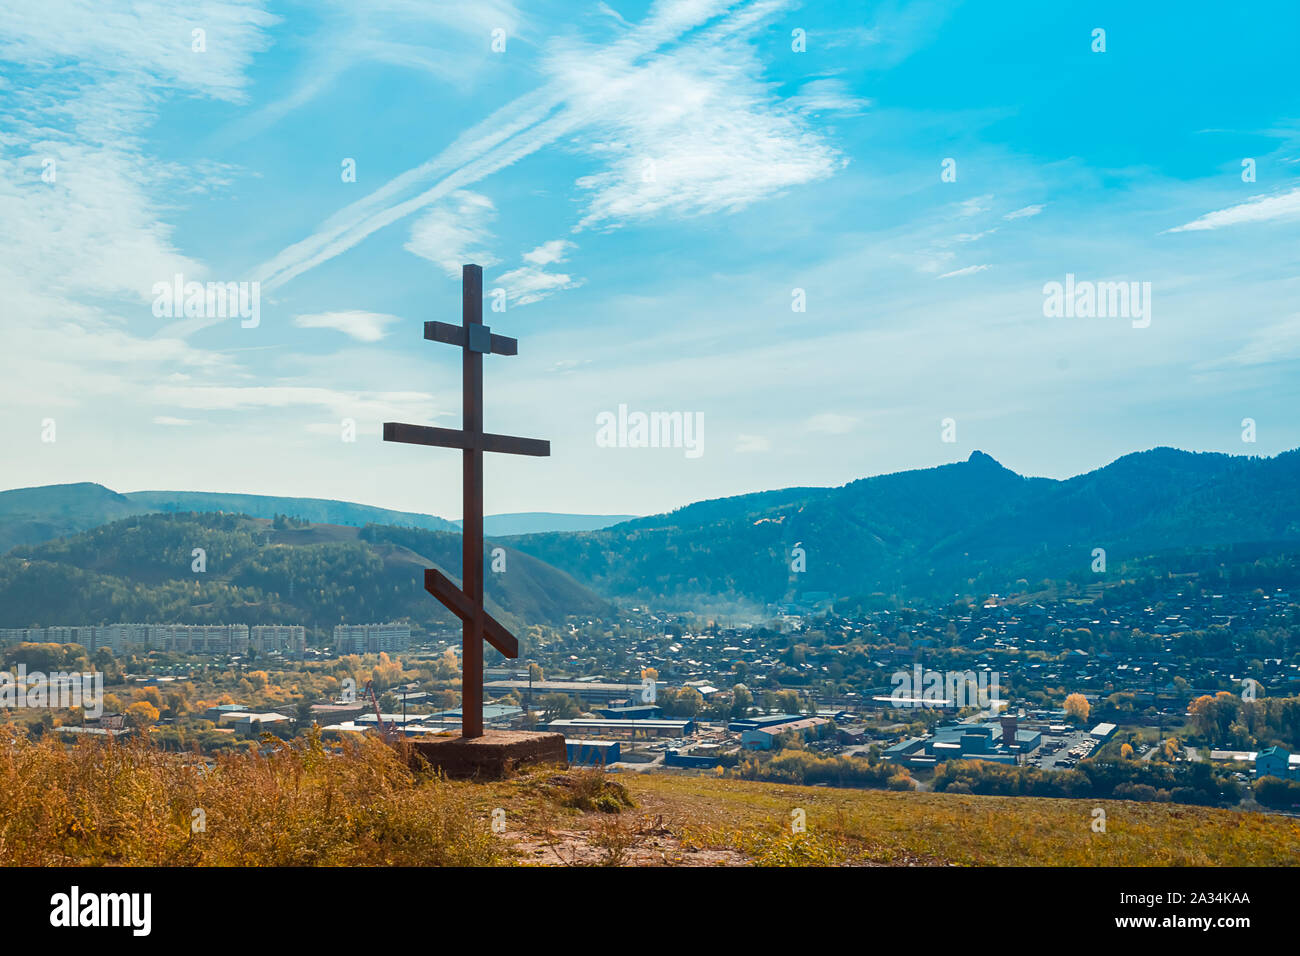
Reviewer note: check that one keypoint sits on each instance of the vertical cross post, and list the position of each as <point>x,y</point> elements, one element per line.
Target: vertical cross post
<point>466,601</point>
<point>472,513</point>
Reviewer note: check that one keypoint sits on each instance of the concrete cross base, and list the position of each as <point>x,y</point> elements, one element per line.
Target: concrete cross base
<point>494,755</point>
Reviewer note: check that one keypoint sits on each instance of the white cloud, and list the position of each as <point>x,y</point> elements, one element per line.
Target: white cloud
<point>455,232</point>
<point>746,444</point>
<point>1024,212</point>
<point>148,44</point>
<point>828,95</point>
<point>362,326</point>
<point>169,420</point>
<point>609,11</point>
<point>439,40</point>
<point>1277,342</point>
<point>974,206</point>
<point>1256,209</point>
<point>531,282</point>
<point>83,247</point>
<point>557,250</point>
<point>717,137</point>
<point>687,133</point>
<point>969,270</point>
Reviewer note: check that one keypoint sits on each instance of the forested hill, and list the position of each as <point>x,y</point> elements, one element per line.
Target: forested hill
<point>263,572</point>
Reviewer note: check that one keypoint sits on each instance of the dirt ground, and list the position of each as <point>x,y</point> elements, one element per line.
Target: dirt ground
<point>621,840</point>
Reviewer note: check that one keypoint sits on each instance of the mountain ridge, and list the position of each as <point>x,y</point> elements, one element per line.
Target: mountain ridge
<point>931,532</point>
<point>40,513</point>
<point>934,532</point>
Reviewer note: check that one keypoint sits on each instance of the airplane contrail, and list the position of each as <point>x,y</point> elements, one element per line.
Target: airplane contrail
<point>512,132</point>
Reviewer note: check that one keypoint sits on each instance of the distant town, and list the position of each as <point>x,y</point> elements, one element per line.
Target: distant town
<point>1193,692</point>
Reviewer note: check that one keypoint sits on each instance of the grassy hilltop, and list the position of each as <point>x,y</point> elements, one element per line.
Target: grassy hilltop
<point>305,804</point>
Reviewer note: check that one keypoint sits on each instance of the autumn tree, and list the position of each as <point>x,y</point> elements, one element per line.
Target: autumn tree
<point>142,714</point>
<point>1077,707</point>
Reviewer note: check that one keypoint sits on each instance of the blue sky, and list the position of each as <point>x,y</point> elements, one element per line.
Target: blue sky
<point>648,183</point>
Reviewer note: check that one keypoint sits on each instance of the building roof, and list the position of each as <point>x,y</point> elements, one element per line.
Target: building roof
<point>490,712</point>
<point>904,745</point>
<point>775,730</point>
<point>634,709</point>
<point>1245,755</point>
<point>595,723</point>
<point>562,686</point>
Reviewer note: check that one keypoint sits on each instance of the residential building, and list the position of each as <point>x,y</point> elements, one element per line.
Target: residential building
<point>371,638</point>
<point>1276,762</point>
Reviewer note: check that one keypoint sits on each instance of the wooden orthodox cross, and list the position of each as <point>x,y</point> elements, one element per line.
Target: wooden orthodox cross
<point>466,602</point>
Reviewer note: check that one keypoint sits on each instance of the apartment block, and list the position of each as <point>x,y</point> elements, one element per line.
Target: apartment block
<point>371,638</point>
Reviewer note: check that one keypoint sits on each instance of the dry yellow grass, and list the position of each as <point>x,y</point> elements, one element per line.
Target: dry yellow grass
<point>133,804</point>
<point>301,804</point>
<point>882,827</point>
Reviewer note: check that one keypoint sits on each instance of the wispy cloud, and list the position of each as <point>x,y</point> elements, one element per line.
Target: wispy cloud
<point>969,270</point>
<point>141,45</point>
<point>455,232</point>
<point>1024,212</point>
<point>1277,342</point>
<point>399,33</point>
<point>531,282</point>
<point>974,206</point>
<point>1256,209</point>
<point>828,95</point>
<point>83,201</point>
<point>362,326</point>
<point>549,252</point>
<point>731,148</point>
<point>624,103</point>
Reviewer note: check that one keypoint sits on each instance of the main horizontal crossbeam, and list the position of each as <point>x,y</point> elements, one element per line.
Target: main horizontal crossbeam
<point>441,587</point>
<point>456,438</point>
